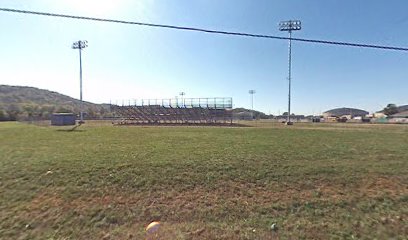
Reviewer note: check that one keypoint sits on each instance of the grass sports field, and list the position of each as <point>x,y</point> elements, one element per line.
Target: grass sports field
<point>314,181</point>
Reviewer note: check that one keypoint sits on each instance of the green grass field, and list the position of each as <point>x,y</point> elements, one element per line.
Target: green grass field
<point>315,181</point>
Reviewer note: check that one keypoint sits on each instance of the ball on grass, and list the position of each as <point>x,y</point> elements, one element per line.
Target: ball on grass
<point>152,227</point>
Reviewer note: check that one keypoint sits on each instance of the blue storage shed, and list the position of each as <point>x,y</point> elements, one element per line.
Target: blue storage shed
<point>63,119</point>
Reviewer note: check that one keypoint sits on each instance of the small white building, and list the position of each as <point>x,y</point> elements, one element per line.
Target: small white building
<point>401,117</point>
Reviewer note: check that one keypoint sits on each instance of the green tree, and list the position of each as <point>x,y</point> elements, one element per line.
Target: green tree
<point>29,110</point>
<point>13,111</point>
<point>63,109</point>
<point>390,109</point>
<point>3,116</point>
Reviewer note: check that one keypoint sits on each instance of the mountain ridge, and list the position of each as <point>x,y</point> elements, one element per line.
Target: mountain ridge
<point>25,102</point>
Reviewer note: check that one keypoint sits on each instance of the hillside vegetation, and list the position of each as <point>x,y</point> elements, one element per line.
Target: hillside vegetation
<point>24,103</point>
<point>30,103</point>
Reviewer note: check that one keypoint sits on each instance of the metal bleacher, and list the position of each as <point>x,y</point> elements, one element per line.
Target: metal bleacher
<point>174,111</point>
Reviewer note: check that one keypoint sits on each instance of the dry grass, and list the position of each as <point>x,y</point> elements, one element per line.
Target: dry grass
<point>109,182</point>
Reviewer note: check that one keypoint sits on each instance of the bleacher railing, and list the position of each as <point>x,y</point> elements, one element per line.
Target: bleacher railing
<point>210,103</point>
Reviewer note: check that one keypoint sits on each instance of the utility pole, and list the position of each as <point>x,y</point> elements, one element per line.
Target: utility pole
<point>289,26</point>
<point>80,45</point>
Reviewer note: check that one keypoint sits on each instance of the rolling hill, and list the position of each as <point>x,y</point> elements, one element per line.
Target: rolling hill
<point>25,103</point>
<point>20,103</point>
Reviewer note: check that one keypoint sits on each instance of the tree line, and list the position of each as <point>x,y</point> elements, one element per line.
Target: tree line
<point>30,112</point>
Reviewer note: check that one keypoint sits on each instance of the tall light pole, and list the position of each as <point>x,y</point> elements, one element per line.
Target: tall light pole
<point>289,26</point>
<point>80,45</point>
<point>252,92</point>
<point>182,98</point>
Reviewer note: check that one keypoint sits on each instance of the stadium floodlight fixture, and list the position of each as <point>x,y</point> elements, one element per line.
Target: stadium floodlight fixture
<point>289,26</point>
<point>81,44</point>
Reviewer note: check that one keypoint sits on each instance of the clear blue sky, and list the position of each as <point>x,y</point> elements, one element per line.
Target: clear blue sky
<point>134,62</point>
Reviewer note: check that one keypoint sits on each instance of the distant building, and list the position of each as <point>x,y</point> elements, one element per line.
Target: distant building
<point>401,117</point>
<point>293,117</point>
<point>63,119</point>
<point>401,108</point>
<point>379,115</point>
<point>345,113</point>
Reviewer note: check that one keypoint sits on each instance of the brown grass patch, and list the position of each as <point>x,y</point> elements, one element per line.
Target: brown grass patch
<point>189,214</point>
<point>183,205</point>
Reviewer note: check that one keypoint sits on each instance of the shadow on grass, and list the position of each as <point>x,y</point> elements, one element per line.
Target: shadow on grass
<point>73,129</point>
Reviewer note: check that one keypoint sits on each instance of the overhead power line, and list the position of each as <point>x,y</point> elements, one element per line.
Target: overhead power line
<point>206,30</point>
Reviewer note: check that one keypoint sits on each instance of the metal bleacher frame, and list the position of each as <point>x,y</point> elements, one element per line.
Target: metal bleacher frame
<point>174,111</point>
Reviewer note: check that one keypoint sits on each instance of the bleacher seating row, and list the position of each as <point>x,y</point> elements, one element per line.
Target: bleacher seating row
<point>157,114</point>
